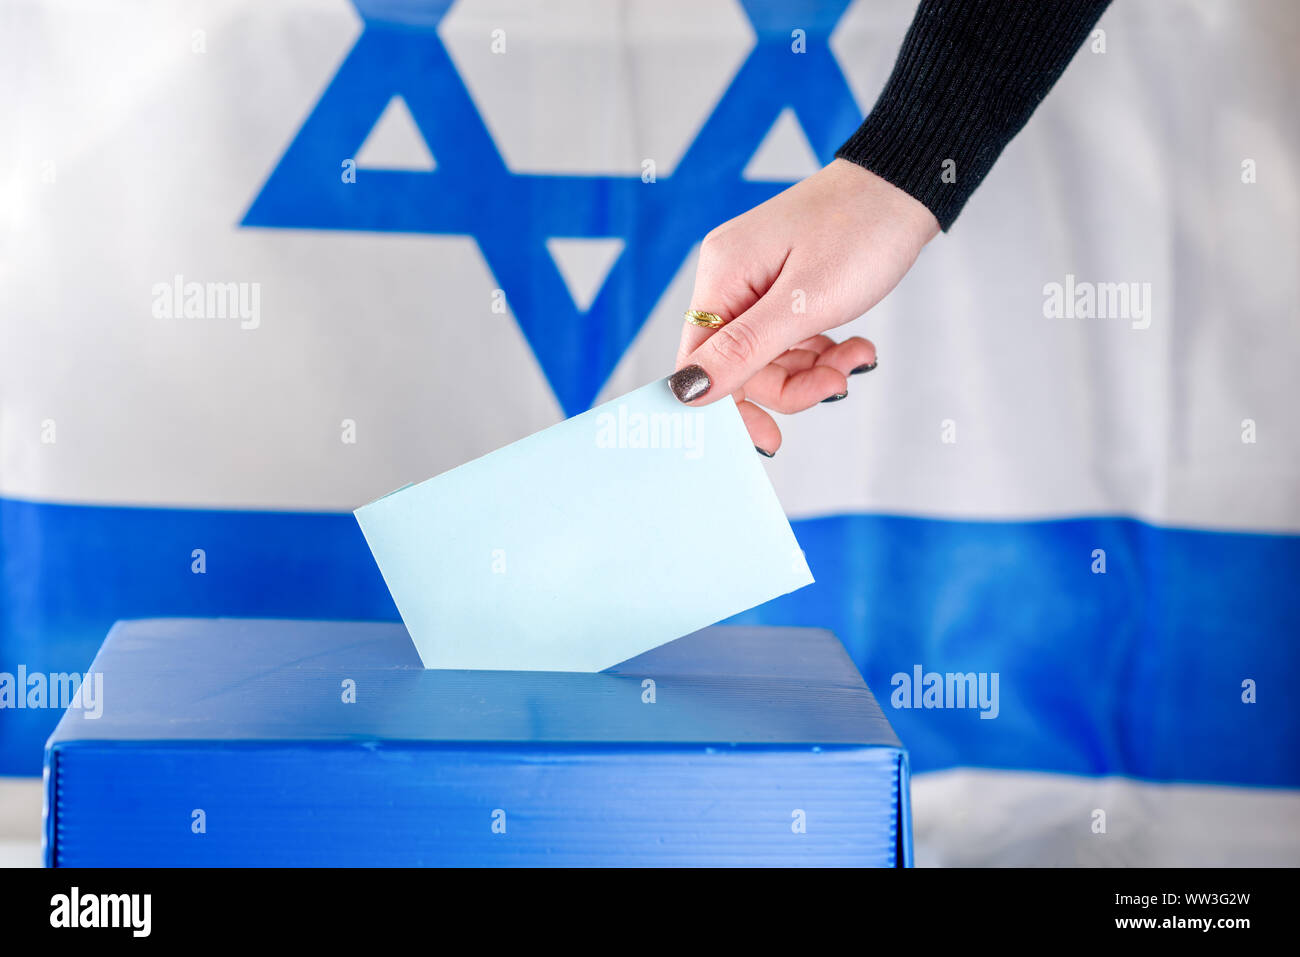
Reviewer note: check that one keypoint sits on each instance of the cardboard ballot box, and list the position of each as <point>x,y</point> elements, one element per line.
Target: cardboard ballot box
<point>281,743</point>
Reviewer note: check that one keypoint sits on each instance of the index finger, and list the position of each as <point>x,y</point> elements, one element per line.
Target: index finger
<point>693,336</point>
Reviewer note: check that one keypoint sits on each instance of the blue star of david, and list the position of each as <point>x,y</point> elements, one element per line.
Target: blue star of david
<point>511,215</point>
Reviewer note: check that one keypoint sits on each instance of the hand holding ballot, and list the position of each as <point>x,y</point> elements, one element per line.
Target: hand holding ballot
<point>776,278</point>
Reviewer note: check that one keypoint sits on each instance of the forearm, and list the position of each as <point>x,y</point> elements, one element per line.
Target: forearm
<point>968,77</point>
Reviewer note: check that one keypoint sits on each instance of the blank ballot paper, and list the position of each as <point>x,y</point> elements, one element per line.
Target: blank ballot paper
<point>597,539</point>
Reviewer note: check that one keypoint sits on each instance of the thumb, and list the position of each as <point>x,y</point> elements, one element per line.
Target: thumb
<point>734,352</point>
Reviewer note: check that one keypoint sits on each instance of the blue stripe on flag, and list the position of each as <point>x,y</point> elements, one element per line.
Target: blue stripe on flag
<point>1137,671</point>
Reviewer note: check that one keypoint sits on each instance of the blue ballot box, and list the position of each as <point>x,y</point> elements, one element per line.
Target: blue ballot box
<point>226,742</point>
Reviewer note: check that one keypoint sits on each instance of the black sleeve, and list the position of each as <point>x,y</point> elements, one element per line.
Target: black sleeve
<point>968,76</point>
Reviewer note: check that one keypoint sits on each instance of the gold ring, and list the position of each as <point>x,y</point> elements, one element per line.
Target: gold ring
<point>709,320</point>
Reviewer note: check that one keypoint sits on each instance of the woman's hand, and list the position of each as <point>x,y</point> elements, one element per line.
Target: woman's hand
<point>814,257</point>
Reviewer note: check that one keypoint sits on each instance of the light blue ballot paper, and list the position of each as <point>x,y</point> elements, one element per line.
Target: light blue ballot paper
<point>597,539</point>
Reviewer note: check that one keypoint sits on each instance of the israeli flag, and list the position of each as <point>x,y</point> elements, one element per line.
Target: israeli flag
<point>263,263</point>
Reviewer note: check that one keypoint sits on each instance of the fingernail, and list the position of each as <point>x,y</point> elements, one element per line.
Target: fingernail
<point>836,397</point>
<point>689,384</point>
<point>764,452</point>
<point>866,368</point>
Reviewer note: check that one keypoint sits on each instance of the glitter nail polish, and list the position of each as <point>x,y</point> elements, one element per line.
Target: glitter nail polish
<point>689,384</point>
